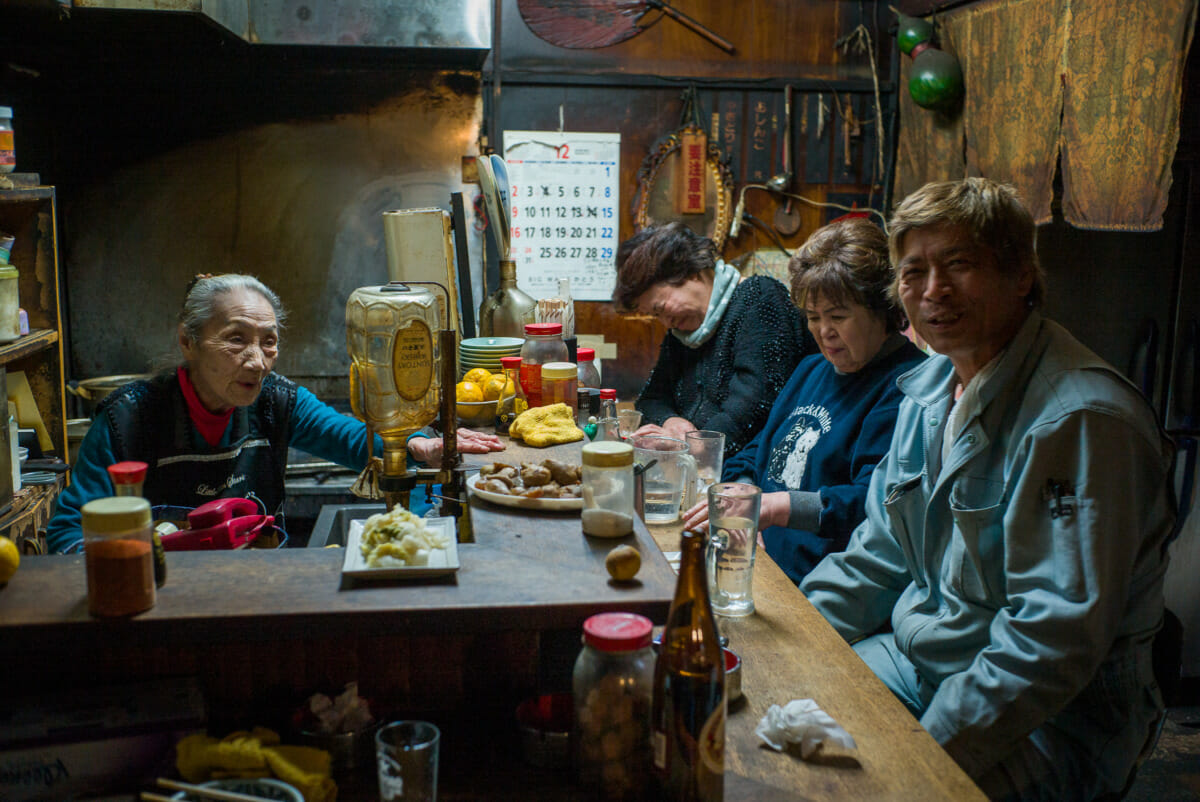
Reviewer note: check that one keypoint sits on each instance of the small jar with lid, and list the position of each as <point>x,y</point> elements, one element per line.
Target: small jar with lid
<point>589,374</point>
<point>607,477</point>
<point>119,555</point>
<point>543,343</point>
<point>613,684</point>
<point>8,150</point>
<point>559,385</point>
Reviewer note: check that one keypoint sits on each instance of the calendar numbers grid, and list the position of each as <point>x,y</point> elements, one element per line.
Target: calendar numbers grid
<point>564,190</point>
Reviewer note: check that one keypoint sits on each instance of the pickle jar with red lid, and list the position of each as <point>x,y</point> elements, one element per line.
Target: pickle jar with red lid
<point>543,343</point>
<point>613,685</point>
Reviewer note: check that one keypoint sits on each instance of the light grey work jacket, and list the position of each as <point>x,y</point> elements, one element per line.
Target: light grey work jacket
<point>1023,579</point>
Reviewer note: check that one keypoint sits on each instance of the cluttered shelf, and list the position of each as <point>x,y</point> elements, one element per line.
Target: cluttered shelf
<point>35,341</point>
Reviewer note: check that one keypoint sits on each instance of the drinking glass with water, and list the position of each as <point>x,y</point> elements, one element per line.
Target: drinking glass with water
<point>733,509</point>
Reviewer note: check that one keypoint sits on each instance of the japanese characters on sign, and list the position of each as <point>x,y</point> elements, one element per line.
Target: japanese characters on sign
<point>564,190</point>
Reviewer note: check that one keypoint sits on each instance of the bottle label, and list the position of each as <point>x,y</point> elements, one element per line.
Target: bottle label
<point>412,361</point>
<point>660,750</point>
<point>8,154</point>
<point>531,383</point>
<point>712,741</point>
<point>504,420</point>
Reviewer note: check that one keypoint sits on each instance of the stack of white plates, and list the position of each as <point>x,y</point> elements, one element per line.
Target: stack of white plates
<point>485,352</point>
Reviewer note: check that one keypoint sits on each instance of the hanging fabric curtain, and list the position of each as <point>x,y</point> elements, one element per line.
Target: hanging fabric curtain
<point>1012,55</point>
<point>1124,86</point>
<point>1099,81</point>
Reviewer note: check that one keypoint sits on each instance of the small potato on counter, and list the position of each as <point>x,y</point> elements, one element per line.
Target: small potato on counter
<point>623,563</point>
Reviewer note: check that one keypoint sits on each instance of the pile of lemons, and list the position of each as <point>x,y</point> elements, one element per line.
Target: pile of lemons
<point>480,384</point>
<point>10,558</point>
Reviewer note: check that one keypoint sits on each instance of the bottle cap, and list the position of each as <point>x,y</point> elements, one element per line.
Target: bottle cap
<point>510,362</point>
<point>106,516</point>
<point>585,354</point>
<point>559,370</point>
<point>542,329</point>
<point>608,454</point>
<point>617,632</point>
<point>127,473</point>
<point>605,393</point>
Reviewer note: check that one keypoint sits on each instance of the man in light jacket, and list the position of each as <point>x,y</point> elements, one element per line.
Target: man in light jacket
<point>1016,531</point>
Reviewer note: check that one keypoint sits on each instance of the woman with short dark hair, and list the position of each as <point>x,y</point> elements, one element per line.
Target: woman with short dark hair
<point>732,343</point>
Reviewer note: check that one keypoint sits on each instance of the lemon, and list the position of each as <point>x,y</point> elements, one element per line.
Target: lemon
<point>468,391</point>
<point>623,563</point>
<point>10,558</point>
<point>496,386</point>
<point>480,376</point>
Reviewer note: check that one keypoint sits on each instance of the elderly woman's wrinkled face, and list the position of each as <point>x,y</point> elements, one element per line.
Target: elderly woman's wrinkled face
<point>849,334</point>
<point>682,307</point>
<point>235,351</point>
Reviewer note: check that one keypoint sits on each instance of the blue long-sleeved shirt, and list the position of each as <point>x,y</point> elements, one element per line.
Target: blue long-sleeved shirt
<point>826,433</point>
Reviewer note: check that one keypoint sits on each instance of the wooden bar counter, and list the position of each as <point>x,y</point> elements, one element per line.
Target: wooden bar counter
<point>261,629</point>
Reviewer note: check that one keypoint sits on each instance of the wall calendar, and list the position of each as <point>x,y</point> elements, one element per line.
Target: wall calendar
<point>564,193</point>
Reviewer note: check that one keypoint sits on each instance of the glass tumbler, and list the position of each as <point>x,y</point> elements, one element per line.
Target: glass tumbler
<point>708,449</point>
<point>733,509</point>
<point>406,754</point>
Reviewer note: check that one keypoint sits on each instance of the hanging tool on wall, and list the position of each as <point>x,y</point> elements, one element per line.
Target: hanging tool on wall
<point>583,24</point>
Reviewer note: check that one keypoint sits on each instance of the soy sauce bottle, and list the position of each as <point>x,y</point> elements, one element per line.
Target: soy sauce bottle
<point>688,711</point>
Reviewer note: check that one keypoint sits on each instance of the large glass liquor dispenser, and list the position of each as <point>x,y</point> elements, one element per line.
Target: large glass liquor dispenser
<point>393,335</point>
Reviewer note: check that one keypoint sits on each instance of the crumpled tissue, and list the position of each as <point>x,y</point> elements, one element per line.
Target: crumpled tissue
<point>801,722</point>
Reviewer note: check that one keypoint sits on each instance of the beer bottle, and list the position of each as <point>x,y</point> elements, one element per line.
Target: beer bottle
<point>688,711</point>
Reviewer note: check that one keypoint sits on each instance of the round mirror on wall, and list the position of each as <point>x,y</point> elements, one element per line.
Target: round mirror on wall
<point>658,190</point>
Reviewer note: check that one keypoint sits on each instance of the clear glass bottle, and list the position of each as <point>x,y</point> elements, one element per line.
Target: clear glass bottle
<point>607,476</point>
<point>510,405</point>
<point>119,555</point>
<point>543,343</point>
<point>559,385</point>
<point>687,718</point>
<point>607,425</point>
<point>506,311</point>
<point>589,376</point>
<point>613,688</point>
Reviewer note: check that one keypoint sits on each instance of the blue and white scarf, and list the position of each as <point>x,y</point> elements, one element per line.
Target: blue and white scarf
<point>725,281</point>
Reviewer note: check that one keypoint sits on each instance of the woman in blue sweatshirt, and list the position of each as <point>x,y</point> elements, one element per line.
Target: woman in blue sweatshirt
<point>833,420</point>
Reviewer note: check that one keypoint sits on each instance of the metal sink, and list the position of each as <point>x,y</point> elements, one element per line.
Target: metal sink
<point>334,521</point>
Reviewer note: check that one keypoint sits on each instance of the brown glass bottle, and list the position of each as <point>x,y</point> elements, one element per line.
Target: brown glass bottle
<point>688,712</point>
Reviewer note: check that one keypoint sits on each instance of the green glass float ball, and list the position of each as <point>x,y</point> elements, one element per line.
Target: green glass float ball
<point>911,32</point>
<point>936,81</point>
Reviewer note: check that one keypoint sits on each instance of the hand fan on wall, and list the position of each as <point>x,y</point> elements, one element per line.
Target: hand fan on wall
<point>583,24</point>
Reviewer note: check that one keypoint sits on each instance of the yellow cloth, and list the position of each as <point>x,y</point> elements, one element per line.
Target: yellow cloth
<point>546,426</point>
<point>257,753</point>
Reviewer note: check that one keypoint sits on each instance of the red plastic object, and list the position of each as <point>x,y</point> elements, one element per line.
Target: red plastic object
<point>219,511</point>
<point>232,534</point>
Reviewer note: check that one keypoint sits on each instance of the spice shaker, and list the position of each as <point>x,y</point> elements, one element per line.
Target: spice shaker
<point>127,478</point>
<point>589,374</point>
<point>613,689</point>
<point>118,552</point>
<point>607,477</point>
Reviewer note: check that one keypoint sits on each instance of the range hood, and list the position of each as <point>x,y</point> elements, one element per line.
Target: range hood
<point>464,25</point>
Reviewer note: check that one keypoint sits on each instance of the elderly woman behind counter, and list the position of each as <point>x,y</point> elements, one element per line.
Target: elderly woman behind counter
<point>219,425</point>
<point>833,421</point>
<point>732,343</point>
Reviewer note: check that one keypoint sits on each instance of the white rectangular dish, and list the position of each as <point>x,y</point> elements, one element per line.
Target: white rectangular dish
<point>441,561</point>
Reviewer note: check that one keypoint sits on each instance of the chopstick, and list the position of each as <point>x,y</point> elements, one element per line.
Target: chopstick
<point>199,791</point>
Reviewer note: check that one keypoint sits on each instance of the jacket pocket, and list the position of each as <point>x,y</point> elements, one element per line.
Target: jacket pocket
<point>905,504</point>
<point>975,559</point>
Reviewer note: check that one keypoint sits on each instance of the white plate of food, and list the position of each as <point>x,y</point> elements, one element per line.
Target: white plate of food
<point>570,504</point>
<point>437,561</point>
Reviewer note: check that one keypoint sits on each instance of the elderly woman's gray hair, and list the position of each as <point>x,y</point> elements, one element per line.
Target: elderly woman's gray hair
<point>204,292</point>
<point>847,261</point>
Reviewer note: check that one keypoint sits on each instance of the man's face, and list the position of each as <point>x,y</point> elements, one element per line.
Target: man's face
<point>958,298</point>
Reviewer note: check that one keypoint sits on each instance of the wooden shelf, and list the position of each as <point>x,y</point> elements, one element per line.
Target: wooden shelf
<point>35,341</point>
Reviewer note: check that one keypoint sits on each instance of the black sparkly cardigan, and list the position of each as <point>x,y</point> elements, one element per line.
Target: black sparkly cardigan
<point>729,383</point>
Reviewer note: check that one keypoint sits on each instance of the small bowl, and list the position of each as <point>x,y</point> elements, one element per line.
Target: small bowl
<point>733,676</point>
<point>263,787</point>
<point>545,725</point>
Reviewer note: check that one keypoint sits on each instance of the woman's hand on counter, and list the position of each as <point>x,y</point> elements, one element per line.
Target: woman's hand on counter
<point>775,510</point>
<point>697,516</point>
<point>429,449</point>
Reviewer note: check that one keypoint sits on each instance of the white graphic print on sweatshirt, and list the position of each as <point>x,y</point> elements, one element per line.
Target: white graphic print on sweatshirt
<point>789,459</point>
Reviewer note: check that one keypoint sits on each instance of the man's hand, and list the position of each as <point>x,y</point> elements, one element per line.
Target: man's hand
<point>428,450</point>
